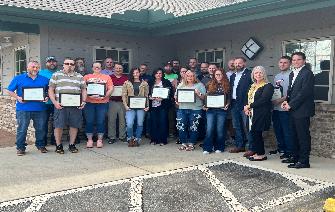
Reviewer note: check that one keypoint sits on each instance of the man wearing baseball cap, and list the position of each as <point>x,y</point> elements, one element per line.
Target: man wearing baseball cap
<point>51,67</point>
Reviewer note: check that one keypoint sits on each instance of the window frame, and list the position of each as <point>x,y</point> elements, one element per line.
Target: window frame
<point>212,50</point>
<point>331,70</point>
<point>25,48</point>
<point>117,49</point>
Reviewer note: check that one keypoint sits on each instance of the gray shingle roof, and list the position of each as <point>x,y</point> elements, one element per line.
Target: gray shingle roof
<point>106,8</point>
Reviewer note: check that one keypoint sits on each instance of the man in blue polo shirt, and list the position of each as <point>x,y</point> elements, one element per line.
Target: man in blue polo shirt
<point>29,110</point>
<point>51,68</point>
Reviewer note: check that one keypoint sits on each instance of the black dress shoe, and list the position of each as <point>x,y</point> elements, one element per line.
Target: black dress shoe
<point>289,160</point>
<point>284,156</point>
<point>257,159</point>
<point>273,152</point>
<point>299,165</point>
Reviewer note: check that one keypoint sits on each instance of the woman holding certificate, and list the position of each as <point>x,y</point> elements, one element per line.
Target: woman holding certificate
<point>259,110</point>
<point>216,107</point>
<point>160,96</point>
<point>135,99</point>
<point>99,88</point>
<point>189,96</point>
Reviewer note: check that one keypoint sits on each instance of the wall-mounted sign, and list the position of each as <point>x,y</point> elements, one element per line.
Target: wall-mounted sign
<point>251,48</point>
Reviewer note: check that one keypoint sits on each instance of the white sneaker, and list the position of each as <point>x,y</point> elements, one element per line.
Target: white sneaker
<point>218,151</point>
<point>205,152</point>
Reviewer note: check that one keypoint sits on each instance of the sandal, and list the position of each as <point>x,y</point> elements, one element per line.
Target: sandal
<point>99,144</point>
<point>183,147</point>
<point>89,144</point>
<point>190,148</point>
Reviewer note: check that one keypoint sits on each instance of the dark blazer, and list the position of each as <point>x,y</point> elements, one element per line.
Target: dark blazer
<point>242,88</point>
<point>166,84</point>
<point>300,95</point>
<point>262,105</point>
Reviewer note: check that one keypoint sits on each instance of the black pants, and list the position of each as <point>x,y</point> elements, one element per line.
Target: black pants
<point>258,142</point>
<point>159,124</point>
<point>301,139</point>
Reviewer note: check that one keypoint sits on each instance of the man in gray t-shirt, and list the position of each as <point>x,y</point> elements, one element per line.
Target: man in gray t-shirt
<point>280,118</point>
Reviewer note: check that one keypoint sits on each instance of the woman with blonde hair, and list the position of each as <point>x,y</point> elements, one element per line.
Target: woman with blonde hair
<point>259,110</point>
<point>189,113</point>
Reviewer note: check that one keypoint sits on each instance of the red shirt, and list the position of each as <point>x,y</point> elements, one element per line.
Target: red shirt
<point>118,82</point>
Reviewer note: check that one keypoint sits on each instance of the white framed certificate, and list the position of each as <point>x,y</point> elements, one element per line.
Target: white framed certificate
<point>31,94</point>
<point>70,100</point>
<point>186,95</point>
<point>96,89</point>
<point>276,94</point>
<point>161,93</point>
<point>117,91</point>
<point>215,101</point>
<point>135,102</point>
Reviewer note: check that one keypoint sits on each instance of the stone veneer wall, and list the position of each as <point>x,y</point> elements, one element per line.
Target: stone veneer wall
<point>8,119</point>
<point>322,127</point>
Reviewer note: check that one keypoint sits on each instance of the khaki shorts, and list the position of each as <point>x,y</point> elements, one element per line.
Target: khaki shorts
<point>68,116</point>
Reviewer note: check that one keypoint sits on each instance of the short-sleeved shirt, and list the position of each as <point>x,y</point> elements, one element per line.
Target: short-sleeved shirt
<point>171,77</point>
<point>71,83</point>
<point>107,72</point>
<point>118,81</point>
<point>198,102</point>
<point>98,78</point>
<point>24,80</point>
<point>48,74</point>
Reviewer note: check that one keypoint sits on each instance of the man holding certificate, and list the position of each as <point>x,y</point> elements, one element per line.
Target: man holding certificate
<point>67,91</point>
<point>30,98</point>
<point>280,117</point>
<point>116,110</point>
<point>99,88</point>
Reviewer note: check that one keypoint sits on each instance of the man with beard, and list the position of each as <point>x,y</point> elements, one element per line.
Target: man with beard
<point>240,82</point>
<point>176,67</point>
<point>80,66</point>
<point>67,81</point>
<point>144,73</point>
<point>29,110</point>
<point>231,68</point>
<point>51,68</point>
<point>193,66</point>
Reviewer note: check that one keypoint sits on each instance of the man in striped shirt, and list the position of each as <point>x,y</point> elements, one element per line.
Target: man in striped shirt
<point>67,81</point>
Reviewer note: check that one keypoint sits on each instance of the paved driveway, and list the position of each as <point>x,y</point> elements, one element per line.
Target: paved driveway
<point>226,185</point>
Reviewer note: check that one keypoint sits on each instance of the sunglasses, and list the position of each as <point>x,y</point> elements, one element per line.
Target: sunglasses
<point>69,64</point>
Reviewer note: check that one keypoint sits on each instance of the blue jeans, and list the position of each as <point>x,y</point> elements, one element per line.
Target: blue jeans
<point>159,125</point>
<point>95,113</point>
<point>216,132</point>
<point>283,131</point>
<point>130,118</point>
<point>187,125</point>
<point>23,119</point>
<point>239,124</point>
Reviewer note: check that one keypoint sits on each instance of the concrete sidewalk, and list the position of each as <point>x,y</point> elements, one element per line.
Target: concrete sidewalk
<point>37,173</point>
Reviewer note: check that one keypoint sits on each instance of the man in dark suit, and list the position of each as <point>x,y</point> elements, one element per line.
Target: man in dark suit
<point>300,104</point>
<point>240,82</point>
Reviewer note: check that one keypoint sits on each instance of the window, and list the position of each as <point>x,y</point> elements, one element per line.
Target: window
<point>211,56</point>
<point>117,54</point>
<point>20,60</point>
<point>319,59</point>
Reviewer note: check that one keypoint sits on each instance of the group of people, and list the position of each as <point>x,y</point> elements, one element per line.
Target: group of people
<point>248,100</point>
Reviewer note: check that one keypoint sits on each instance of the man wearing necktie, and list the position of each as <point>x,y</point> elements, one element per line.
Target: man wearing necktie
<point>300,104</point>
